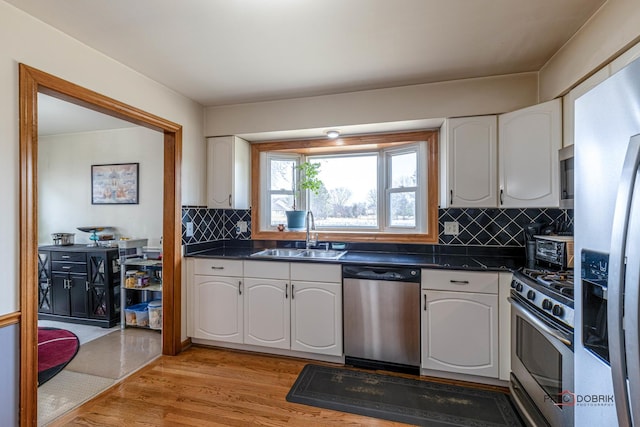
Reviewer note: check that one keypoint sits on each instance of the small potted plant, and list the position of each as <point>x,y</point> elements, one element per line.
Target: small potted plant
<point>308,181</point>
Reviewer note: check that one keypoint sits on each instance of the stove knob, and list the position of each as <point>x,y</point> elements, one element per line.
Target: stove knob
<point>519,287</point>
<point>514,284</point>
<point>531,295</point>
<point>547,304</point>
<point>558,311</point>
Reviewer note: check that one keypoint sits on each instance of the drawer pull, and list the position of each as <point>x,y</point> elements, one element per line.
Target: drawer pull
<point>459,282</point>
<point>66,267</point>
<point>65,257</point>
<point>217,268</point>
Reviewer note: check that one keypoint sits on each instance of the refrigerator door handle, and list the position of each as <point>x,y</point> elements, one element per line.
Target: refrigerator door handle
<point>616,285</point>
<point>631,319</point>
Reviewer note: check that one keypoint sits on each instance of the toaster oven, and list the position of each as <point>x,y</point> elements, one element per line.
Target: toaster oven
<point>554,251</point>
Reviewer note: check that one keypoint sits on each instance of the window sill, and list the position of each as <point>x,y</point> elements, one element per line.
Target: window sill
<point>341,236</point>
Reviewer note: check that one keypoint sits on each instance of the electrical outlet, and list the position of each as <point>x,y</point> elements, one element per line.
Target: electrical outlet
<point>241,226</point>
<point>451,228</point>
<point>189,229</point>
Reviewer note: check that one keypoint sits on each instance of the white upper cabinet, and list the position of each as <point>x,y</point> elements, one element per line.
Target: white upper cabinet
<point>568,103</point>
<point>228,167</point>
<point>528,156</point>
<point>625,59</point>
<point>470,173</point>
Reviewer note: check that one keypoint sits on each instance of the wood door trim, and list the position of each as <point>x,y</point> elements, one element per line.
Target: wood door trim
<point>10,319</point>
<point>32,81</point>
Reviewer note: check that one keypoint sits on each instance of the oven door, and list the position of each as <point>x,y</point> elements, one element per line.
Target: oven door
<point>542,364</point>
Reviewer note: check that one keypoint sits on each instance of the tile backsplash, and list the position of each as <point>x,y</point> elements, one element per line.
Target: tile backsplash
<point>497,227</point>
<point>479,227</point>
<point>214,224</point>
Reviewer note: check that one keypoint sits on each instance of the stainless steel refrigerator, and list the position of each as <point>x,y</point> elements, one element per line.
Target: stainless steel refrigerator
<point>607,245</point>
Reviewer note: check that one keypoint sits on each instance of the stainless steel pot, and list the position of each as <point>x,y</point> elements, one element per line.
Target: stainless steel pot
<point>62,239</point>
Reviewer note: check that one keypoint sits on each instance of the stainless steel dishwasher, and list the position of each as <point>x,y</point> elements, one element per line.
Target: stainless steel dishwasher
<point>381,308</point>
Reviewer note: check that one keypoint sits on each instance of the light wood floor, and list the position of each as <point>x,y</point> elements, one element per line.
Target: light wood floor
<point>207,387</point>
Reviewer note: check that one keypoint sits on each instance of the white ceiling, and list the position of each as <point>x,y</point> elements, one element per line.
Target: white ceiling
<point>219,52</point>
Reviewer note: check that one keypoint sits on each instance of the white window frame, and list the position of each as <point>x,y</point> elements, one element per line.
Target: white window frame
<point>265,171</point>
<point>384,187</point>
<point>379,155</point>
<point>420,189</point>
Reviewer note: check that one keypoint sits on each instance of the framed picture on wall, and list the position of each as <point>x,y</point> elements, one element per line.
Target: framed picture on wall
<point>114,184</point>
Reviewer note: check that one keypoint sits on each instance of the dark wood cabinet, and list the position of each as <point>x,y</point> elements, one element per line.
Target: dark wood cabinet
<point>79,284</point>
<point>45,304</point>
<point>103,284</point>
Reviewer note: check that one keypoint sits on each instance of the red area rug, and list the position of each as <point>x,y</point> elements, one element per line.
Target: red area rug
<point>56,348</point>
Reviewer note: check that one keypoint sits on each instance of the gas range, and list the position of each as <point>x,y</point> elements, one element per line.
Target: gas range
<point>550,293</point>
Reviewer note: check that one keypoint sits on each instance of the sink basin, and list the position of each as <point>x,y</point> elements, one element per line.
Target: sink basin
<point>279,253</point>
<point>319,253</point>
<point>300,253</point>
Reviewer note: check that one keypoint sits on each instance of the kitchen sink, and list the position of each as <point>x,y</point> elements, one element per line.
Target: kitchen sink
<point>320,253</point>
<point>300,253</point>
<point>278,253</point>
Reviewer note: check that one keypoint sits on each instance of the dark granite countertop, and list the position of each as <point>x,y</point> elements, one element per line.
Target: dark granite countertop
<point>424,256</point>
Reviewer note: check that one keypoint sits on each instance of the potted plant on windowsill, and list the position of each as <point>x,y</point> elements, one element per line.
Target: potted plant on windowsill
<point>308,181</point>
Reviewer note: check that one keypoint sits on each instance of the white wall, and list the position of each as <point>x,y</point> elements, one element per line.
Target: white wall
<point>608,33</point>
<point>23,39</point>
<point>64,183</point>
<point>468,97</point>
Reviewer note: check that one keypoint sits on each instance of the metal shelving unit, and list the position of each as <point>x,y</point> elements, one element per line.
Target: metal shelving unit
<point>133,255</point>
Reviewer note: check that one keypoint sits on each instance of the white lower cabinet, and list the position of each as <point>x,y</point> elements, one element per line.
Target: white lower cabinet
<point>460,332</point>
<point>215,297</point>
<point>295,306</point>
<point>316,317</point>
<point>217,308</point>
<point>460,328</point>
<point>267,313</point>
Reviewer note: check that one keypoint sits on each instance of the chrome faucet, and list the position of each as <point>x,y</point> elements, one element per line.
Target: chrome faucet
<point>311,241</point>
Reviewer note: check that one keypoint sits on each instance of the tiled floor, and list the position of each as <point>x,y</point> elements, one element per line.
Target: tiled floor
<point>105,357</point>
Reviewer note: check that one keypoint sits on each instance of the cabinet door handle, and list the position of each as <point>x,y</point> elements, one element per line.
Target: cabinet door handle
<point>425,302</point>
<point>217,268</point>
<point>48,283</point>
<point>86,285</point>
<point>240,287</point>
<point>451,197</point>
<point>229,200</point>
<point>501,192</point>
<point>292,292</point>
<point>286,290</point>
<point>459,282</point>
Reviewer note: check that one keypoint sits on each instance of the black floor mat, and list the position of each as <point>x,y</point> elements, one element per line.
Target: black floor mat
<point>406,400</point>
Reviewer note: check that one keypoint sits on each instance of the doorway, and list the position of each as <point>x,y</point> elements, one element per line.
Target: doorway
<point>33,81</point>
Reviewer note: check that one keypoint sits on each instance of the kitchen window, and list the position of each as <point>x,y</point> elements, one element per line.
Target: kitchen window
<point>375,187</point>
